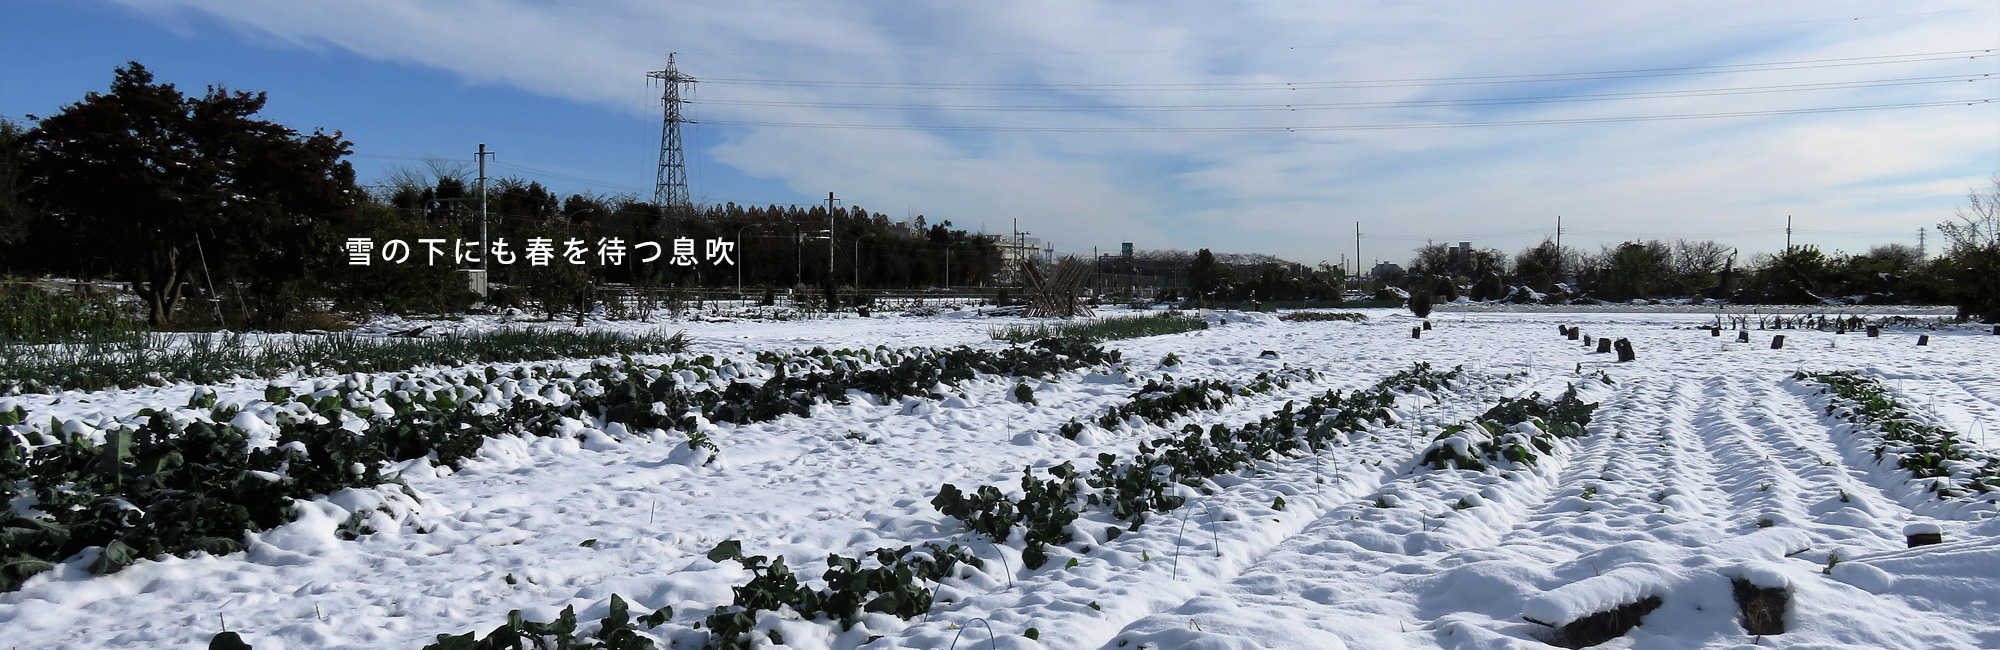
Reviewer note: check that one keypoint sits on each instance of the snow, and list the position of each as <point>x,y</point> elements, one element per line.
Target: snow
<point>1599,593</point>
<point>1762,575</point>
<point>1705,463</point>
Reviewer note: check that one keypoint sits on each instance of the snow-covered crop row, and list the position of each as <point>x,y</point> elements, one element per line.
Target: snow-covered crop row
<point>1941,464</point>
<point>193,479</point>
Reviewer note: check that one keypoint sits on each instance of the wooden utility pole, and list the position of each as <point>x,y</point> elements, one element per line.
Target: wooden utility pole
<point>483,247</point>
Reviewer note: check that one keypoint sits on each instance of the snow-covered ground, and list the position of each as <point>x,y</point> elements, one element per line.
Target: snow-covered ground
<point>1706,462</point>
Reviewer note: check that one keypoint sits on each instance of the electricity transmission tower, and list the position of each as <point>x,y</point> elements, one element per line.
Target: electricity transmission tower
<point>670,185</point>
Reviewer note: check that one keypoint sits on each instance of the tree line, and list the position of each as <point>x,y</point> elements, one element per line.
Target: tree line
<point>1966,273</point>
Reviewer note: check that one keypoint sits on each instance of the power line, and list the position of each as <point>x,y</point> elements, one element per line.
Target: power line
<point>957,52</point>
<point>1677,235</point>
<point>1355,127</point>
<point>514,166</point>
<point>1541,77</point>
<point>567,177</point>
<point>1484,235</point>
<point>1416,103</point>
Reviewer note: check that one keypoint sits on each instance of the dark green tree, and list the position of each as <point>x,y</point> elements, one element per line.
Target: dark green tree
<point>14,213</point>
<point>1543,265</point>
<point>1885,273</point>
<point>1445,289</point>
<point>1207,277</point>
<point>380,287</point>
<point>1632,270</point>
<point>1490,287</point>
<point>1794,276</point>
<point>1420,304</point>
<point>147,183</point>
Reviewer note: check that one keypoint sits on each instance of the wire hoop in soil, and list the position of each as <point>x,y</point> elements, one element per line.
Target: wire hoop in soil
<point>1210,511</point>
<point>1003,563</point>
<point>989,633</point>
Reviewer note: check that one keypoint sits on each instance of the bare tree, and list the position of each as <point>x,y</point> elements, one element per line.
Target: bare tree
<point>1704,257</point>
<point>1978,224</point>
<point>1972,254</point>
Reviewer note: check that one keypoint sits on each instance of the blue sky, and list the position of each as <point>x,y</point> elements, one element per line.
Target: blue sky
<point>393,112</point>
<point>557,88</point>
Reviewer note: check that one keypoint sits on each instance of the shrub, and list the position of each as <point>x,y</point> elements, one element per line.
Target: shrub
<point>1447,289</point>
<point>30,315</point>
<point>1314,316</point>
<point>1490,287</point>
<point>1103,329</point>
<point>201,358</point>
<point>1420,304</point>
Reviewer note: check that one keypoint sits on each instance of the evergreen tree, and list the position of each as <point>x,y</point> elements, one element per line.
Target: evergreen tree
<point>147,183</point>
<point>1206,276</point>
<point>14,213</point>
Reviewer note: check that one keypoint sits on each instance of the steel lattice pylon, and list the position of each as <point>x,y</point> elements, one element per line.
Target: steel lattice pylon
<point>670,185</point>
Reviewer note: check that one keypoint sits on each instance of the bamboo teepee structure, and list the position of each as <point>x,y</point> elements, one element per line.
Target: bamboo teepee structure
<point>1057,295</point>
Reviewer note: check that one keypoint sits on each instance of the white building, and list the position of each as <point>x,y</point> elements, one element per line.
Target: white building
<point>1021,248</point>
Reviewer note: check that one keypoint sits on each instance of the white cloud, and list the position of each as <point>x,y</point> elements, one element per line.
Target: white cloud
<point>1295,195</point>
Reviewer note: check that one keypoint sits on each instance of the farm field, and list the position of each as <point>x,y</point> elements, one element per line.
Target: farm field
<point>1338,490</point>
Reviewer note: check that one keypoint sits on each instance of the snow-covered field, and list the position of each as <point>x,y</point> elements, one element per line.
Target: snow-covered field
<point>1706,463</point>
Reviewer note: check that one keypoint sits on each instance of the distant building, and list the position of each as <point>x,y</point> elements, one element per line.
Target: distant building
<point>1460,255</point>
<point>1012,251</point>
<point>1385,270</point>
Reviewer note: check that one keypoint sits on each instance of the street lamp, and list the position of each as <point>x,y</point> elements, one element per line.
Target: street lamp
<point>857,260</point>
<point>947,264</point>
<point>739,258</point>
<point>799,249</point>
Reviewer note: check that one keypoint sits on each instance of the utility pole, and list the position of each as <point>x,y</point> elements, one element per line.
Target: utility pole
<point>1922,252</point>
<point>1788,233</point>
<point>483,247</point>
<point>1020,253</point>
<point>1357,250</point>
<point>670,182</point>
<point>829,236</point>
<point>1559,234</point>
